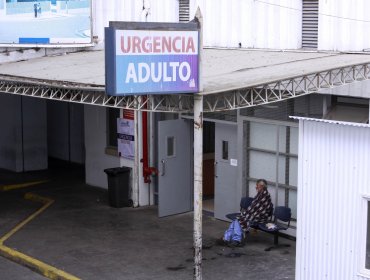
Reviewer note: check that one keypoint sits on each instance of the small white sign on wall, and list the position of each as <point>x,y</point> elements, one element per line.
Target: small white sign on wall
<point>233,162</point>
<point>125,138</point>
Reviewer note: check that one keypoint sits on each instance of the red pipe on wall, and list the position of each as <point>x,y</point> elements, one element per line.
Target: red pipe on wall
<point>145,159</point>
<point>147,171</point>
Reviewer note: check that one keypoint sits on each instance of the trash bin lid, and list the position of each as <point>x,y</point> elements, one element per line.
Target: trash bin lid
<point>117,170</point>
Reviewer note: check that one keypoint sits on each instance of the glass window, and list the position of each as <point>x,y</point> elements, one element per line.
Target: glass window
<point>294,140</point>
<point>293,171</point>
<point>263,136</point>
<point>225,150</point>
<point>367,256</point>
<point>292,203</point>
<point>170,146</point>
<point>263,165</point>
<point>112,115</point>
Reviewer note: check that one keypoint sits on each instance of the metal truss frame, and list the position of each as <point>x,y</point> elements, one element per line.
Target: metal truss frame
<point>153,103</point>
<point>285,89</point>
<point>183,103</point>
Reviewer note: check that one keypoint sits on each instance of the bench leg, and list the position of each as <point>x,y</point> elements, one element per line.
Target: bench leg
<point>276,243</point>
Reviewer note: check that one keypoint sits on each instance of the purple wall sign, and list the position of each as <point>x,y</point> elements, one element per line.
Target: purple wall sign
<point>153,62</point>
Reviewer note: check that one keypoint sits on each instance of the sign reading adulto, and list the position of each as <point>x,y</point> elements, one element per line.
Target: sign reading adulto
<point>151,58</point>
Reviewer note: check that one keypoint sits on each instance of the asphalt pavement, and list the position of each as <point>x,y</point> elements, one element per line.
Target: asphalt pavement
<point>82,235</point>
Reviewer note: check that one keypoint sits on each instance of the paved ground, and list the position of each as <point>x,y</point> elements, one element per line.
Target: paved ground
<point>83,236</point>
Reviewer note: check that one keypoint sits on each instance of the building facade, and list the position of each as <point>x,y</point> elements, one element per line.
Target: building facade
<point>264,140</point>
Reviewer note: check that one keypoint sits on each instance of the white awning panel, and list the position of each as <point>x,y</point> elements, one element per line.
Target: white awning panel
<point>233,78</point>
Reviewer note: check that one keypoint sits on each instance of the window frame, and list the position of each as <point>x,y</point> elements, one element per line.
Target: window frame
<point>109,132</point>
<point>362,238</point>
<point>174,146</point>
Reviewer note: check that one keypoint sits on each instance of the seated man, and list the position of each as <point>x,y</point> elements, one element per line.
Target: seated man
<point>259,210</point>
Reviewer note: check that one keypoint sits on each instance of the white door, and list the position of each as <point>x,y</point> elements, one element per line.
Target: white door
<point>226,166</point>
<point>174,162</point>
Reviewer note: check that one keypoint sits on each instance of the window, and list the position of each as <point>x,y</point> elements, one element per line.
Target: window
<point>271,152</point>
<point>364,237</point>
<point>225,150</point>
<point>184,10</point>
<point>367,252</point>
<point>112,115</point>
<point>310,20</point>
<point>170,146</point>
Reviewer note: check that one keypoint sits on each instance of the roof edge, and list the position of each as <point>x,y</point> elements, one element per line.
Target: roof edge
<point>50,83</point>
<point>330,121</point>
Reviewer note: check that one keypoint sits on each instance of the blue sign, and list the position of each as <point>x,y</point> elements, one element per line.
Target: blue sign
<point>151,61</point>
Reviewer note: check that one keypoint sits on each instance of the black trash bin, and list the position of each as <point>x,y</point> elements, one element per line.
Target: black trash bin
<point>119,186</point>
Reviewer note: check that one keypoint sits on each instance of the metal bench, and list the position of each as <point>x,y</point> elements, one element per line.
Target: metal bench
<point>281,221</point>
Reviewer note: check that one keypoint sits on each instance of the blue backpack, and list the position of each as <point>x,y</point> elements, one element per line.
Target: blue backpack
<point>234,234</point>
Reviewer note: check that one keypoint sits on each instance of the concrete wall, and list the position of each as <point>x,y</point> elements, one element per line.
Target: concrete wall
<point>11,135</point>
<point>98,158</point>
<point>95,144</point>
<point>77,133</point>
<point>58,130</point>
<point>66,139</point>
<point>34,134</point>
<point>23,141</point>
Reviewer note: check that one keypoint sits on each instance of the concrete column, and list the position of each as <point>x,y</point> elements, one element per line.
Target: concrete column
<point>198,163</point>
<point>198,184</point>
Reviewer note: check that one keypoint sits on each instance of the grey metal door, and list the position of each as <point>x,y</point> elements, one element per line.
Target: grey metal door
<point>174,162</point>
<point>226,166</point>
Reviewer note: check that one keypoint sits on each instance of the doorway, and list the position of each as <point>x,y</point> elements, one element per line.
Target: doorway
<point>208,167</point>
<point>220,165</point>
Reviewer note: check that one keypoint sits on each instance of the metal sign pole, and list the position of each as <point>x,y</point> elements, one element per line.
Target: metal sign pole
<point>198,163</point>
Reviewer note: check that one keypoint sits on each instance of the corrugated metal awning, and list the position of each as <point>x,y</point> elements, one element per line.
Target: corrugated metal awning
<point>232,78</point>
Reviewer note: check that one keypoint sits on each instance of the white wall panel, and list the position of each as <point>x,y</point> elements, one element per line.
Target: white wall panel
<point>23,139</point>
<point>343,25</point>
<point>333,177</point>
<point>163,11</point>
<point>95,143</point>
<point>293,140</point>
<point>263,165</point>
<point>263,136</point>
<point>268,24</point>
<point>131,10</point>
